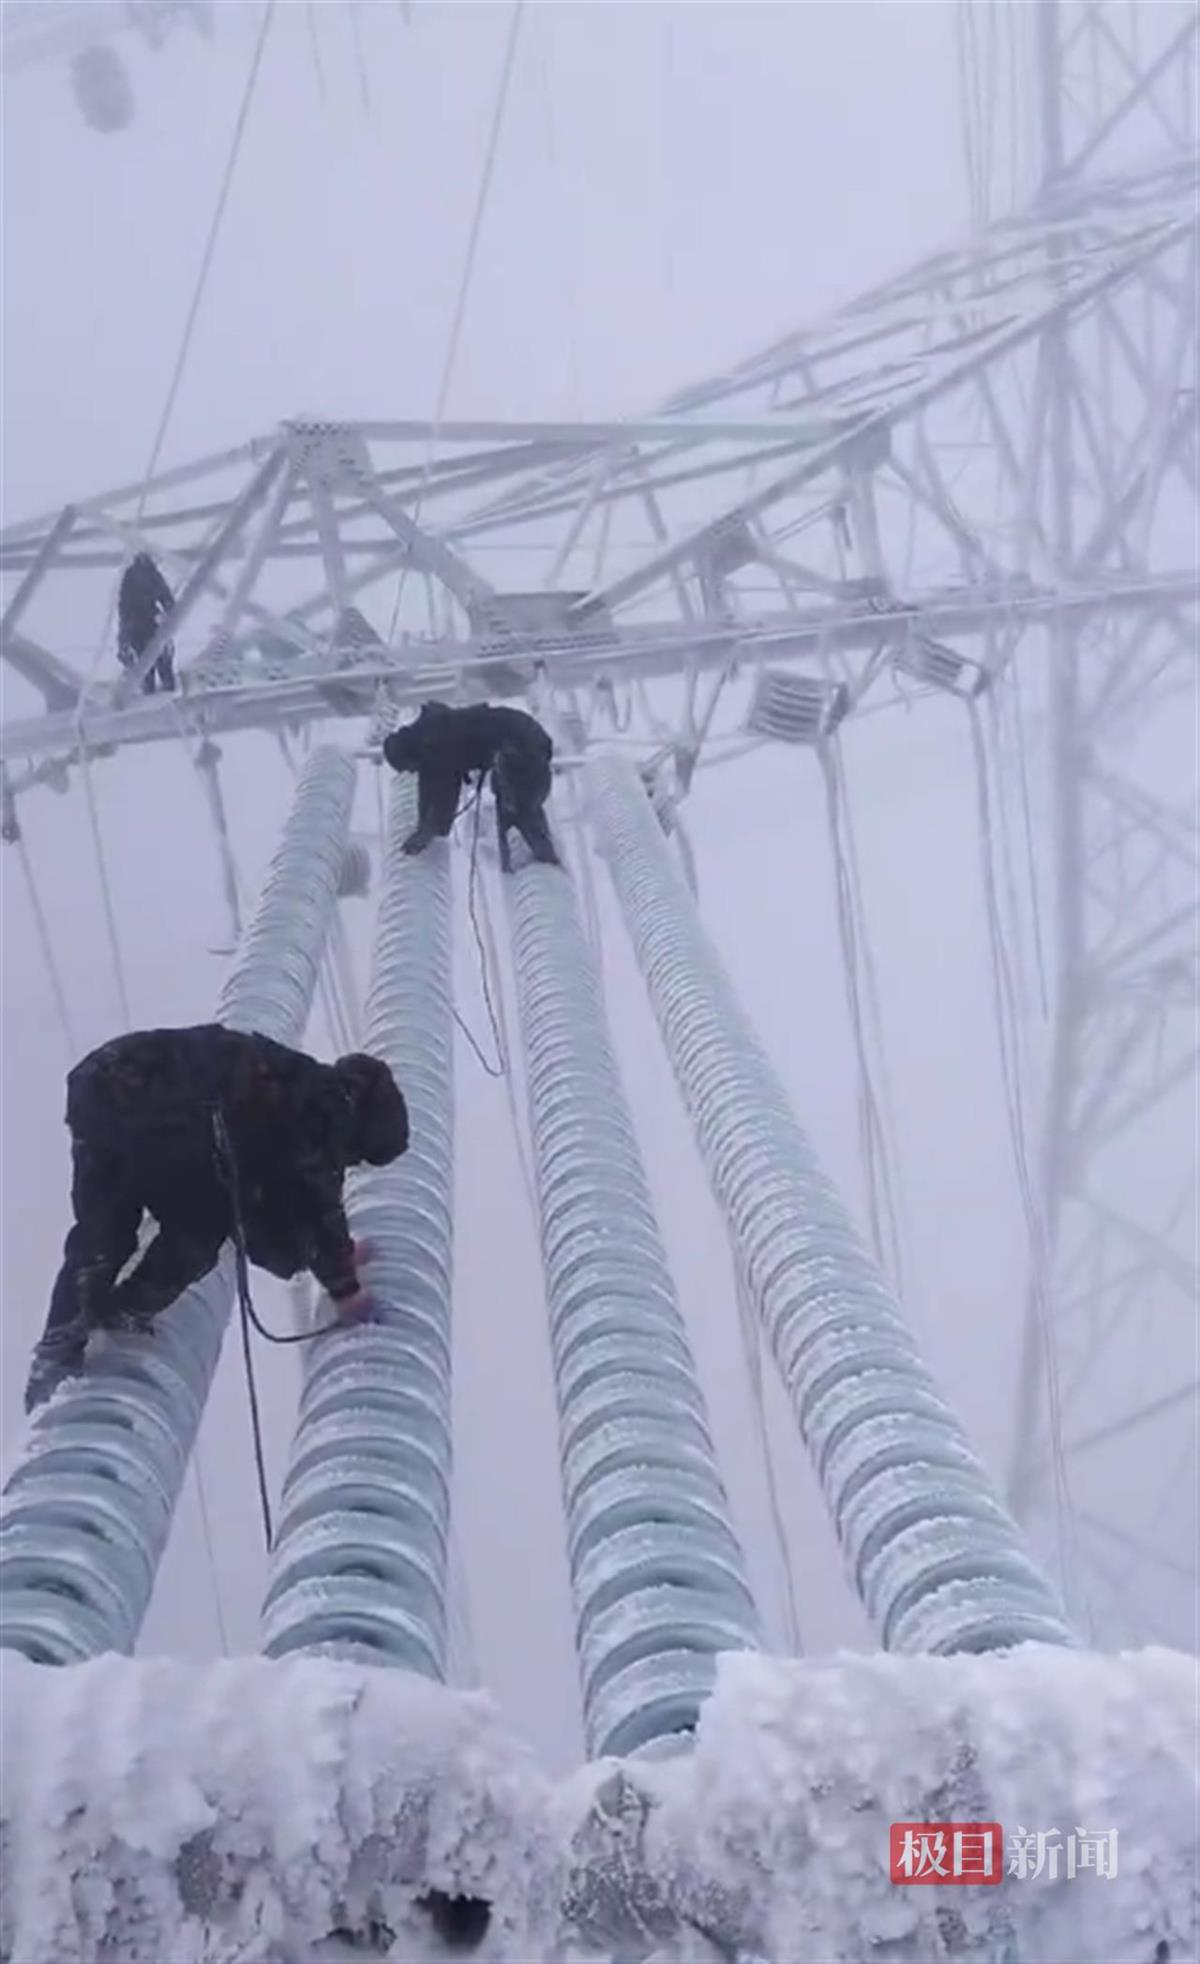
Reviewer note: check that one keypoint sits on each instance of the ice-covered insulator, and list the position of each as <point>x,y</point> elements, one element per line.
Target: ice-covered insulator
<point>359,1564</point>
<point>658,1577</point>
<point>938,1562</point>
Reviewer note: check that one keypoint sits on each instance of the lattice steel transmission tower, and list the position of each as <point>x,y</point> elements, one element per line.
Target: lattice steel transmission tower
<point>978,478</point>
<point>976,481</point>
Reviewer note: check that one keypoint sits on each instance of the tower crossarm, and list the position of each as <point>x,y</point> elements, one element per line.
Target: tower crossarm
<point>246,688</point>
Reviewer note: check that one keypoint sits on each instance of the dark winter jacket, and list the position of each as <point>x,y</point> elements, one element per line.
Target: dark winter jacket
<point>294,1125</point>
<point>143,601</point>
<point>467,740</point>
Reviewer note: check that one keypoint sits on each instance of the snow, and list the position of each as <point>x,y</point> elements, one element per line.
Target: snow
<point>281,1812</point>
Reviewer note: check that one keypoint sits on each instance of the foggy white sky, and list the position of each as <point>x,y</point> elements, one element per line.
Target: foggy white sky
<point>675,185</point>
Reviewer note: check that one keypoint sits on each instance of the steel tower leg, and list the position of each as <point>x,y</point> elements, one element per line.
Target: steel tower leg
<point>937,1561</point>
<point>360,1559</point>
<point>1108,1362</point>
<point>658,1577</point>
<point>1064,720</point>
<point>88,1508</point>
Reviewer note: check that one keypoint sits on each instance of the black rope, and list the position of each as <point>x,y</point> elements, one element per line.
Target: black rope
<point>256,1434</point>
<point>493,1070</point>
<point>228,1165</point>
<point>474,804</point>
<point>249,1317</point>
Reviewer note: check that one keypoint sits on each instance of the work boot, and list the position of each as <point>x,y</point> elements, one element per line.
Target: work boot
<point>417,840</point>
<point>536,834</point>
<point>54,1361</point>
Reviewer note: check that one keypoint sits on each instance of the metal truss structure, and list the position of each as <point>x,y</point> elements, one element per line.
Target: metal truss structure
<point>979,476</point>
<point>1112,431</point>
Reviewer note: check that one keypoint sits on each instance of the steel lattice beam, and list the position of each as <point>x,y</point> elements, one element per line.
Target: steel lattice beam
<point>828,427</point>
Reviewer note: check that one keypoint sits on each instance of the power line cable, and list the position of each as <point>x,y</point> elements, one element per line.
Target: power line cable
<point>197,1470</point>
<point>210,244</point>
<point>111,928</point>
<point>198,291</point>
<point>565,257</point>
<point>1027,824</point>
<point>752,1352</point>
<point>1008,1043</point>
<point>464,288</point>
<point>880,1205</point>
<point>359,57</point>
<point>315,49</point>
<point>866,955</point>
<point>106,896</point>
<point>46,944</point>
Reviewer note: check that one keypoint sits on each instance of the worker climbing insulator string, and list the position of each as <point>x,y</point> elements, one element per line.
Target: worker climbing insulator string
<point>140,1112</point>
<point>447,747</point>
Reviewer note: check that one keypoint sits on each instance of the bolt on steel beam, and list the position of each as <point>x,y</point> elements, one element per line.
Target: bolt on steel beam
<point>658,1576</point>
<point>87,1509</point>
<point>360,1559</point>
<point>937,1561</point>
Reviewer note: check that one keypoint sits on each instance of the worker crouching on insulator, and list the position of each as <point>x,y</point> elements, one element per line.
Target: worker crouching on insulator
<point>447,746</point>
<point>199,1128</point>
<point>143,603</point>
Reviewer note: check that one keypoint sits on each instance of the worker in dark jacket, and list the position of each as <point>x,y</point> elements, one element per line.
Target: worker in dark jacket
<point>446,747</point>
<point>145,1137</point>
<point>143,602</point>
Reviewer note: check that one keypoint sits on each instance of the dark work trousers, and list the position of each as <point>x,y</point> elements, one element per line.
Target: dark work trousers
<point>164,670</point>
<point>180,1185</point>
<point>161,675</point>
<point>521,784</point>
<point>437,801</point>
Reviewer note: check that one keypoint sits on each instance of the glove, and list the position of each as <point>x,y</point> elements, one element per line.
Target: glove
<point>361,1307</point>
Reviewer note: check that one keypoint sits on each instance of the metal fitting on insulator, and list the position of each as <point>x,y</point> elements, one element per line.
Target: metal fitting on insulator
<point>354,879</point>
